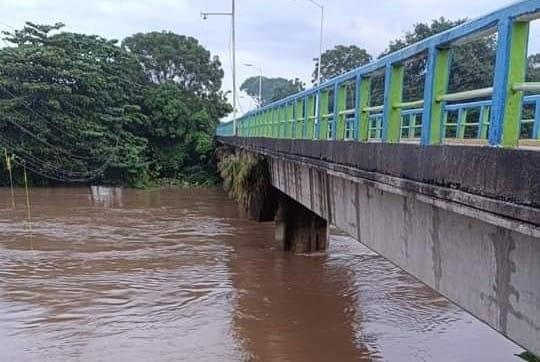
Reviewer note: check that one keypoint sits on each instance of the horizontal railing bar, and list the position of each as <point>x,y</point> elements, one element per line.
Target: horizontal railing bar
<point>462,96</point>
<point>373,109</point>
<point>413,104</point>
<point>526,87</point>
<point>408,112</point>
<point>458,106</point>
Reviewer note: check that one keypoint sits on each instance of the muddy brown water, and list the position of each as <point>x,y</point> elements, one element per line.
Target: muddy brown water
<point>180,275</point>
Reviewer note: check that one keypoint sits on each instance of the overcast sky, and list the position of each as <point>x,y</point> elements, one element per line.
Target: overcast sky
<point>281,36</point>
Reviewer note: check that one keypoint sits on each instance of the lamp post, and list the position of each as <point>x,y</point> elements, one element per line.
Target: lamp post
<point>232,14</point>
<point>260,82</point>
<point>321,38</point>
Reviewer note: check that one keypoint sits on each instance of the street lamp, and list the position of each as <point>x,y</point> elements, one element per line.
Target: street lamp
<point>260,82</point>
<point>232,14</point>
<point>321,7</point>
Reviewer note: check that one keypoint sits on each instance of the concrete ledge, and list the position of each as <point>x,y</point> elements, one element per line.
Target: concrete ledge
<point>503,182</point>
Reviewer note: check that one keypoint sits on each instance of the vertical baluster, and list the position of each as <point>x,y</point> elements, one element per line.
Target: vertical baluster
<point>412,124</point>
<point>323,112</point>
<point>536,127</point>
<point>300,119</point>
<point>444,123</point>
<point>484,122</point>
<point>460,126</point>
<point>510,68</point>
<point>306,122</point>
<point>340,105</point>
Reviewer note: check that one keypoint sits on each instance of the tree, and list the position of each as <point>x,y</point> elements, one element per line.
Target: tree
<point>168,57</point>
<point>533,68</point>
<point>180,132</point>
<point>472,63</point>
<point>68,103</point>
<point>76,106</point>
<point>273,89</point>
<point>340,60</point>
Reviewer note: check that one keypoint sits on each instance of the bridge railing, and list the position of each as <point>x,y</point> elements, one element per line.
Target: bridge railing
<point>341,109</point>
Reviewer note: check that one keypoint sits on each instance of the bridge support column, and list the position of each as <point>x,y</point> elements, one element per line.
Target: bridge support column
<point>298,229</point>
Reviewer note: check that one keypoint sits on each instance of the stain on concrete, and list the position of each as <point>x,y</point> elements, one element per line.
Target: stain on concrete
<point>503,245</point>
<point>407,214</point>
<point>357,210</point>
<point>436,246</point>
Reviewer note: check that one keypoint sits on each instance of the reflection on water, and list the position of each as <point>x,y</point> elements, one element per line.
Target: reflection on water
<point>172,275</point>
<point>106,196</point>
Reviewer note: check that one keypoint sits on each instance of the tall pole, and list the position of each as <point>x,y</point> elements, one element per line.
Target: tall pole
<point>321,39</point>
<point>260,82</point>
<point>260,87</point>
<point>320,46</point>
<point>232,14</point>
<point>234,64</point>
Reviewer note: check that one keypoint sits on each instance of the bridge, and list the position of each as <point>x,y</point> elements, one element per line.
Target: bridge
<point>447,187</point>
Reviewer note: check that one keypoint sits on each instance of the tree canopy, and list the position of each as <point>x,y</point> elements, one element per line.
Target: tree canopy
<point>339,60</point>
<point>169,57</point>
<point>81,107</point>
<point>273,89</point>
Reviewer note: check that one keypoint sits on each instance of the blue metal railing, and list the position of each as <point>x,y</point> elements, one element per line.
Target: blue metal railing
<point>431,119</point>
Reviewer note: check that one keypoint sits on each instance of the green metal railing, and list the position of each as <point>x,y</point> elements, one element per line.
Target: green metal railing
<point>340,109</point>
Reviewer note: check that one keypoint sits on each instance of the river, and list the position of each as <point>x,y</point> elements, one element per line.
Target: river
<point>108,274</point>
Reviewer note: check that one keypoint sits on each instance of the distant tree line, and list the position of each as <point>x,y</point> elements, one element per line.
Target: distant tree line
<point>78,107</point>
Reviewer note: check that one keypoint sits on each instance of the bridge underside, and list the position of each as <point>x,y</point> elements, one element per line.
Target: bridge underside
<point>470,232</point>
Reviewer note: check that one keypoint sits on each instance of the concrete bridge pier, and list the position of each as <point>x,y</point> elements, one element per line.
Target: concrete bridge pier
<point>299,229</point>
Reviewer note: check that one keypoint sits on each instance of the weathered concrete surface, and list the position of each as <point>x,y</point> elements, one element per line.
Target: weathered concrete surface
<point>481,252</point>
<point>298,229</point>
<point>507,182</point>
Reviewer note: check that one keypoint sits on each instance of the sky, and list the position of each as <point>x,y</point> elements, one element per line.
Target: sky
<point>280,36</point>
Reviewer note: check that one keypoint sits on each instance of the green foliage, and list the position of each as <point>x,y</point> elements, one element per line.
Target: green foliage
<point>527,356</point>
<point>273,89</point>
<point>78,106</point>
<point>169,57</point>
<point>473,63</point>
<point>533,68</point>
<point>340,60</point>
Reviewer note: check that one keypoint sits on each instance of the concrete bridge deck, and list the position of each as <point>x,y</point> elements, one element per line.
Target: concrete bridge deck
<point>463,220</point>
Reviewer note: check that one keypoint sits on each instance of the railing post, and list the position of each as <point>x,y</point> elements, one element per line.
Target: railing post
<point>305,124</point>
<point>318,115</point>
<point>536,126</point>
<point>510,68</point>
<point>300,117</point>
<point>340,105</point>
<point>363,94</point>
<point>437,74</point>
<point>323,119</point>
<point>310,114</point>
<point>393,93</point>
<point>267,123</point>
<point>290,120</point>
